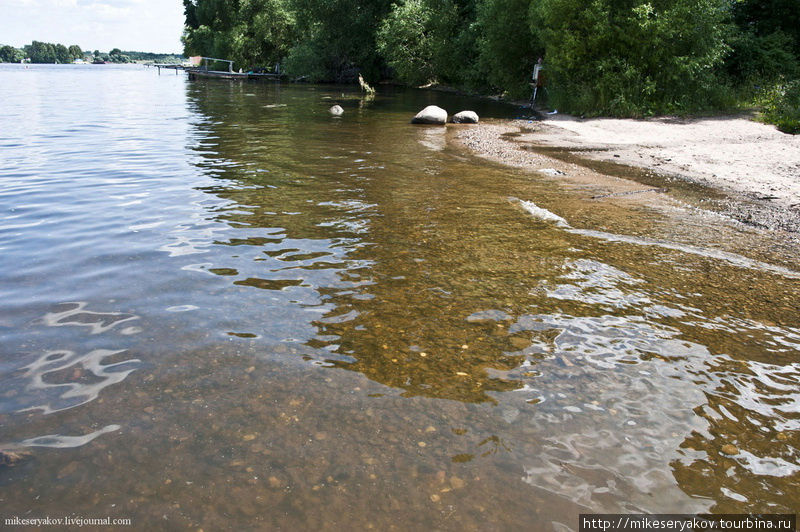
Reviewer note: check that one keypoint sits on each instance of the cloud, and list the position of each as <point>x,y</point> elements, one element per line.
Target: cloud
<point>144,25</point>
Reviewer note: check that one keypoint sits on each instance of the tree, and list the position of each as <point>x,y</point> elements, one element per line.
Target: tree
<point>766,47</point>
<point>407,40</point>
<point>41,52</point>
<point>9,54</point>
<point>508,48</point>
<point>75,52</point>
<point>765,17</point>
<point>631,57</point>
<point>338,39</point>
<point>62,53</point>
<point>250,32</point>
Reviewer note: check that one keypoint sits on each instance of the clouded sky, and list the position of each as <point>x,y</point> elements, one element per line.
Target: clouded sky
<point>138,25</point>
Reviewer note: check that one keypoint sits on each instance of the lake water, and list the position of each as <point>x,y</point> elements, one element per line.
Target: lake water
<point>222,308</point>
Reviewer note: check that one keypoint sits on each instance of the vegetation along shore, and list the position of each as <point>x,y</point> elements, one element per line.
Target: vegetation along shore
<point>604,58</point>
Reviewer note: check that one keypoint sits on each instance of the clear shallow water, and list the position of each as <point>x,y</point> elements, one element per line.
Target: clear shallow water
<point>222,308</point>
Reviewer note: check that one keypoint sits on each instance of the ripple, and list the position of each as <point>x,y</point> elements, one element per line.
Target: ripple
<point>66,442</point>
<point>79,379</point>
<point>97,322</point>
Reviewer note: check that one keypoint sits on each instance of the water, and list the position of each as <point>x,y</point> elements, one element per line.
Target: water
<point>223,308</point>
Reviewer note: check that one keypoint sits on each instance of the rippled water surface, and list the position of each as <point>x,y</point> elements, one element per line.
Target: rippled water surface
<point>220,307</point>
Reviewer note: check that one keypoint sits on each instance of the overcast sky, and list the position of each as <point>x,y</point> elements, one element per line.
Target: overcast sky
<point>138,25</point>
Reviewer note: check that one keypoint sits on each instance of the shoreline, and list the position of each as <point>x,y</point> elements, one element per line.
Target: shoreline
<point>714,160</point>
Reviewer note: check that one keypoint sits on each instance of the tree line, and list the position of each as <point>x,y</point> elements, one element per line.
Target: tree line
<point>602,57</point>
<point>41,52</point>
<point>44,52</point>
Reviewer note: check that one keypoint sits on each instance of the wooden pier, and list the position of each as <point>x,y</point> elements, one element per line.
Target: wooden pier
<point>201,71</point>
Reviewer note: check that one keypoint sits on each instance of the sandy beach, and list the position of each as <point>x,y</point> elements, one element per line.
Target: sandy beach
<point>752,167</point>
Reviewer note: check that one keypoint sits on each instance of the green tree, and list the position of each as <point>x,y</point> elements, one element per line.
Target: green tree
<point>508,48</point>
<point>9,54</point>
<point>338,39</point>
<point>766,47</point>
<point>407,39</point>
<point>62,53</point>
<point>75,52</point>
<point>41,52</point>
<point>765,17</point>
<point>432,40</point>
<point>631,57</point>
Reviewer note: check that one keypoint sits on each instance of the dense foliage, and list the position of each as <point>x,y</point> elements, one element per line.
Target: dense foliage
<point>610,57</point>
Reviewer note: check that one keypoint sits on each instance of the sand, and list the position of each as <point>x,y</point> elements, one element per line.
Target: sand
<point>754,165</point>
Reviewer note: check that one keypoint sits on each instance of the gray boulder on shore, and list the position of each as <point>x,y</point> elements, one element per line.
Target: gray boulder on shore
<point>430,115</point>
<point>336,110</point>
<point>465,117</point>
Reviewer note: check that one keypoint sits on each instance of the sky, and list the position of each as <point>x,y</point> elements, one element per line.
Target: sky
<point>135,25</point>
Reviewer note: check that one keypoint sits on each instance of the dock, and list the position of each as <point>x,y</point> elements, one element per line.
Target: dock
<point>201,71</point>
<point>195,73</point>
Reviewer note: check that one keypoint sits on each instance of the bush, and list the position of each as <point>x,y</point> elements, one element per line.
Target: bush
<point>760,59</point>
<point>407,41</point>
<point>305,59</point>
<point>781,106</point>
<point>507,47</point>
<point>631,57</point>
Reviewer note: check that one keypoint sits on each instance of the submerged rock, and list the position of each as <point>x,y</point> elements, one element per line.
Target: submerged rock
<point>9,458</point>
<point>465,117</point>
<point>336,110</point>
<point>730,449</point>
<point>430,115</point>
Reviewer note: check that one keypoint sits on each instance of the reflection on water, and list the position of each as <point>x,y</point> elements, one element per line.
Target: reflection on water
<point>252,311</point>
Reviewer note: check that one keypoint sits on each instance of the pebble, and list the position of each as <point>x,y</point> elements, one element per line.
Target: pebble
<point>249,437</point>
<point>729,449</point>
<point>435,498</point>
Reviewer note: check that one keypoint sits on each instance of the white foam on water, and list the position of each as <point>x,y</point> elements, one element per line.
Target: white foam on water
<point>731,258</point>
<point>542,214</point>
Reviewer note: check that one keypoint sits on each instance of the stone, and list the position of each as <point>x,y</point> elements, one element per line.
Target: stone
<point>430,115</point>
<point>730,449</point>
<point>465,117</point>
<point>336,110</point>
<point>10,458</point>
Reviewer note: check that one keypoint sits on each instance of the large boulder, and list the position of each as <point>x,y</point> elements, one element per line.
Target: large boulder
<point>430,115</point>
<point>336,110</point>
<point>465,117</point>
